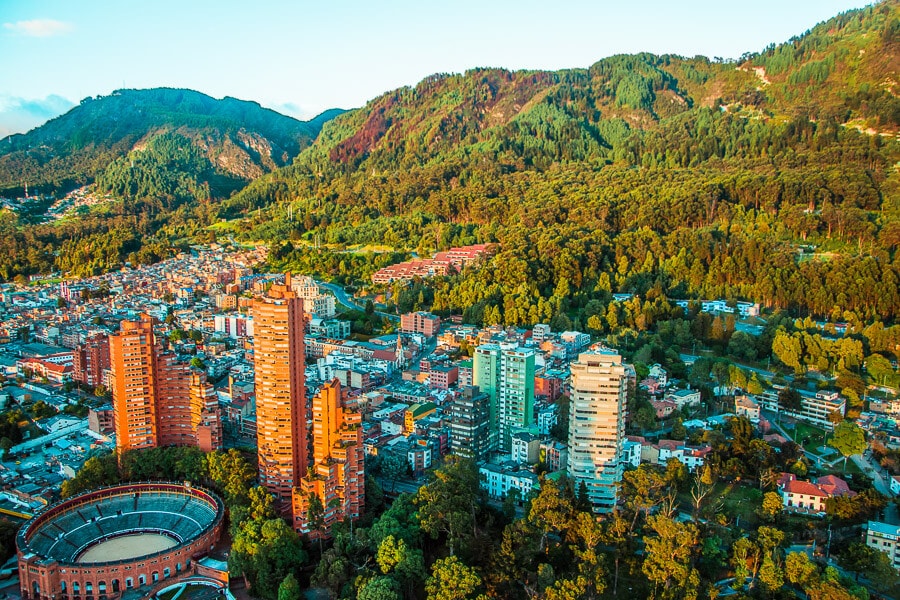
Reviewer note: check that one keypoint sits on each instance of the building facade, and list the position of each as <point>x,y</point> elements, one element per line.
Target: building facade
<point>597,426</point>
<point>334,487</point>
<point>91,359</point>
<point>280,385</point>
<point>885,538</point>
<point>516,400</point>
<point>469,424</point>
<point>506,374</point>
<point>152,394</point>
<point>133,379</point>
<point>425,323</point>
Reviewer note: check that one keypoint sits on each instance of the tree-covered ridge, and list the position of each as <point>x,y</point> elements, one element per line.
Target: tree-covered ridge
<point>241,138</point>
<point>680,177</point>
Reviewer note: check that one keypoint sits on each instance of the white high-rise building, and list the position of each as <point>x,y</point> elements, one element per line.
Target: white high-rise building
<point>597,426</point>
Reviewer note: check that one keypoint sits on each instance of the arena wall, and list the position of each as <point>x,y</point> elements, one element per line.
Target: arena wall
<point>44,577</point>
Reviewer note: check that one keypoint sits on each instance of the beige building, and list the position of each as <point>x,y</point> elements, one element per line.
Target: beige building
<point>885,538</point>
<point>597,426</point>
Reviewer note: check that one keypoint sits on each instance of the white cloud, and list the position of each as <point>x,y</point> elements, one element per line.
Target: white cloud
<point>18,115</point>
<point>39,27</point>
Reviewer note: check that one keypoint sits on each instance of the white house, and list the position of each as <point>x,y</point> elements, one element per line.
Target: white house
<point>498,480</point>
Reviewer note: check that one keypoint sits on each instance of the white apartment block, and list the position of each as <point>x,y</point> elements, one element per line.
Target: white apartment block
<point>885,538</point>
<point>813,408</point>
<point>597,426</point>
<point>498,480</point>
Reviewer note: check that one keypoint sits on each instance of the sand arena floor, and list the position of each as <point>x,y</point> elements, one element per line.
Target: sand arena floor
<point>127,546</point>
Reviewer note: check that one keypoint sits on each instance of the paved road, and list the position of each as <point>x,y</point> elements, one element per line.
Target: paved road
<point>766,374</point>
<point>873,471</point>
<point>347,300</point>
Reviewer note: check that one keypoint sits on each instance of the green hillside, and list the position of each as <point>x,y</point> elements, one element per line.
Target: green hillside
<point>689,177</point>
<point>164,157</point>
<point>240,138</point>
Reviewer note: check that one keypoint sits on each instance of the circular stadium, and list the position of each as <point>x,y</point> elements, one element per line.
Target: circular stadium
<point>108,542</point>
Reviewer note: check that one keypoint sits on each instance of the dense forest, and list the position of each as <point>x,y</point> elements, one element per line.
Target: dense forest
<point>772,179</point>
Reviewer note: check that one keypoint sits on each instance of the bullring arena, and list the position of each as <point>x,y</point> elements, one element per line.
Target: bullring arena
<point>123,540</point>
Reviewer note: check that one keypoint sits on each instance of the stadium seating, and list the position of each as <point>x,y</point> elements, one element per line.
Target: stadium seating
<point>68,534</point>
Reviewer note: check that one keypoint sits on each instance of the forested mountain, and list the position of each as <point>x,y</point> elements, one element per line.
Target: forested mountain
<point>772,178</point>
<point>241,139</point>
<point>164,156</point>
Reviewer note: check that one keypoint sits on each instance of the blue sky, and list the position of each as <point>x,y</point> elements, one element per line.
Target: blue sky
<point>302,57</point>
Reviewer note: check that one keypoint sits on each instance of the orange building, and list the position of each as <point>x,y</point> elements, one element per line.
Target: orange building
<point>173,401</point>
<point>152,394</point>
<point>337,471</point>
<point>206,417</point>
<point>91,359</point>
<point>133,384</point>
<point>281,414</point>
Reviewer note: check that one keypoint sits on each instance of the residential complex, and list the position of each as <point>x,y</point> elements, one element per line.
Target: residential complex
<point>327,485</point>
<point>469,424</point>
<point>420,322</point>
<point>506,374</point>
<point>597,426</point>
<point>158,400</point>
<point>91,360</point>
<point>334,487</point>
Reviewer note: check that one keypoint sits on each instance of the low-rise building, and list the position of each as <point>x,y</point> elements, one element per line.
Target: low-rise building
<point>498,480</point>
<point>683,398</point>
<point>885,538</point>
<point>809,497</point>
<point>525,448</point>
<point>745,406</point>
<point>414,413</point>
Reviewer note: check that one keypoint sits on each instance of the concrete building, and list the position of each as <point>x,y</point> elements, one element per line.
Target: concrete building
<point>337,465</point>
<point>525,448</point>
<point>420,322</point>
<point>280,386</point>
<point>745,406</point>
<point>885,538</point>
<point>498,480</point>
<point>414,413</point>
<point>469,424</point>
<point>314,301</point>
<point>597,426</point>
<point>814,408</point>
<point>506,374</point>
<point>683,398</point>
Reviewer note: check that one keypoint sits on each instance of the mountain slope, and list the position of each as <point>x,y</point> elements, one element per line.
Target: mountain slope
<point>689,176</point>
<point>241,139</point>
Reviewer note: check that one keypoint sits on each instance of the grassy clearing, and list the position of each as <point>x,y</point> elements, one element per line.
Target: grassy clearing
<point>810,437</point>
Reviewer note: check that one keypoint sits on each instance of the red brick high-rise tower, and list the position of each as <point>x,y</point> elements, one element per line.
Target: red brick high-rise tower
<point>153,396</point>
<point>337,473</point>
<point>281,415</point>
<point>133,382</point>
<point>91,359</point>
